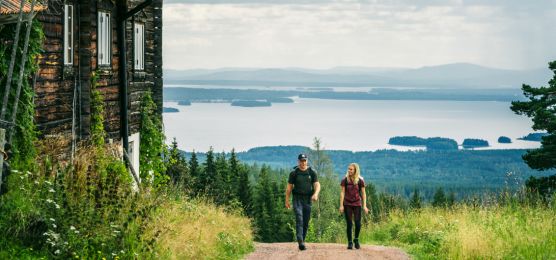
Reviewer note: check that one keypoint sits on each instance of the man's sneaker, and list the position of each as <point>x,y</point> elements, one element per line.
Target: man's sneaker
<point>357,246</point>
<point>302,247</point>
<point>350,245</point>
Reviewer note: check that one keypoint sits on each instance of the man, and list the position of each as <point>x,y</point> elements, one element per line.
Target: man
<point>304,183</point>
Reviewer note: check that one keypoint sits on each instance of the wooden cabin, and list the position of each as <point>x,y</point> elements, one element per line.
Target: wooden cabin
<point>82,38</point>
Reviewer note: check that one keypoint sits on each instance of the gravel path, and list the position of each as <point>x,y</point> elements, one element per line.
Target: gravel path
<point>276,251</point>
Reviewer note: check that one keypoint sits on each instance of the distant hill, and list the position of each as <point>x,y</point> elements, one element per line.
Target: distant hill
<point>457,75</point>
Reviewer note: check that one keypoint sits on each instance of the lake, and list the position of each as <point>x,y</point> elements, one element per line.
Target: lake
<point>342,124</point>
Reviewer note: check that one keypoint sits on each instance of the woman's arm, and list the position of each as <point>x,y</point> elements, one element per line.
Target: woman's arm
<point>364,197</point>
<point>342,194</point>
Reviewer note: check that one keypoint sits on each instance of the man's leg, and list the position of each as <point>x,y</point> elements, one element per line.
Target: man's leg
<point>298,210</point>
<point>306,217</point>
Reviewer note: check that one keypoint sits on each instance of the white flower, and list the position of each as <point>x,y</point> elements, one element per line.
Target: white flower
<point>21,177</point>
<point>116,231</point>
<point>113,254</point>
<point>122,251</point>
<point>57,206</point>
<point>51,190</point>
<point>53,220</point>
<point>72,228</point>
<point>47,182</point>
<point>45,234</point>
<point>37,182</point>
<point>57,251</point>
<point>49,201</point>
<point>54,225</point>
<point>76,231</point>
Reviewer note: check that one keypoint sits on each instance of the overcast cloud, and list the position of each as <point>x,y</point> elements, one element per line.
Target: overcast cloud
<point>327,33</point>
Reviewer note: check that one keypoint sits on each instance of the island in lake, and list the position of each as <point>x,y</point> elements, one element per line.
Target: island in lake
<point>504,140</point>
<point>536,137</point>
<point>433,143</point>
<point>251,103</point>
<point>474,143</point>
<point>170,110</point>
<point>184,103</point>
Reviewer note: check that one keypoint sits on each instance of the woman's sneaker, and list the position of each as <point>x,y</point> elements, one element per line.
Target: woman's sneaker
<point>357,246</point>
<point>350,245</point>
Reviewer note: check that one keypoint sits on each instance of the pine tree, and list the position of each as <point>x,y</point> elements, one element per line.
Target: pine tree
<point>439,199</point>
<point>541,108</point>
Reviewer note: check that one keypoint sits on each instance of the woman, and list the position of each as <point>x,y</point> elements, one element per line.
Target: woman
<point>352,198</point>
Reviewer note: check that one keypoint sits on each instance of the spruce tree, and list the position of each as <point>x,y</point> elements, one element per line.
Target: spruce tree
<point>222,190</point>
<point>244,191</point>
<point>206,178</point>
<point>177,165</point>
<point>439,199</point>
<point>194,172</point>
<point>451,200</point>
<point>415,202</point>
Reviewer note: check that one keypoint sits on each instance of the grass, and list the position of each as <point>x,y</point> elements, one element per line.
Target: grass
<point>466,232</point>
<point>197,229</point>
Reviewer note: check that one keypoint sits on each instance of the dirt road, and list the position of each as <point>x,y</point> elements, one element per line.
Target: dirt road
<point>276,251</point>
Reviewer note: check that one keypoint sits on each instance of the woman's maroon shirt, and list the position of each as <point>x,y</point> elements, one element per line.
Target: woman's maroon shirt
<point>352,196</point>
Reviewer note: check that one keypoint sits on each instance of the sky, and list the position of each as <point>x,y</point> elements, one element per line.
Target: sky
<point>321,34</point>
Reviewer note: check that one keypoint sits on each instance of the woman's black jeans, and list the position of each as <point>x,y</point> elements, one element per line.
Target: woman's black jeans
<point>352,213</point>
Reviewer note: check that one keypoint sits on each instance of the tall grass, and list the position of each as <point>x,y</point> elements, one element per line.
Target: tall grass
<point>88,209</point>
<point>496,231</point>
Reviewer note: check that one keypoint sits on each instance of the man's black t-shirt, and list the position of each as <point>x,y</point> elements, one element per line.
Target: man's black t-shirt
<point>303,181</point>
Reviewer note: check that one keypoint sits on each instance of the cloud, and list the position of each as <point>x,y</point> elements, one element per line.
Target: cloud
<point>321,34</point>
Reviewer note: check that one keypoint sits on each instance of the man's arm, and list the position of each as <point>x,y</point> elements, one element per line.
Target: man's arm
<point>316,187</point>
<point>288,192</point>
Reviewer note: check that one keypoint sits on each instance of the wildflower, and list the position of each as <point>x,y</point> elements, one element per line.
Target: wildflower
<point>37,182</point>
<point>54,225</point>
<point>53,220</point>
<point>76,231</point>
<point>49,201</point>
<point>57,206</point>
<point>122,251</point>
<point>47,182</point>
<point>51,190</point>
<point>113,254</point>
<point>72,228</point>
<point>21,177</point>
<point>57,251</point>
<point>116,231</point>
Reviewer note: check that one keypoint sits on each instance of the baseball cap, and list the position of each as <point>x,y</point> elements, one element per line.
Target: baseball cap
<point>302,156</point>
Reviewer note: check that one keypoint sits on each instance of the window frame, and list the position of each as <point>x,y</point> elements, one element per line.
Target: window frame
<point>138,46</point>
<point>104,39</point>
<point>69,34</point>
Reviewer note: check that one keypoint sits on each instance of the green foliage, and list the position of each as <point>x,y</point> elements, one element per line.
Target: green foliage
<point>466,172</point>
<point>152,148</point>
<point>25,134</point>
<point>98,134</point>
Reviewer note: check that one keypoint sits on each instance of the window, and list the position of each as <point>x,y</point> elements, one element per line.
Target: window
<point>139,40</point>
<point>103,38</point>
<point>68,34</point>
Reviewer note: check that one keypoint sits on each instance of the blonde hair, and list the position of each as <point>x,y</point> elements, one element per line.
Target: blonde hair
<point>357,174</point>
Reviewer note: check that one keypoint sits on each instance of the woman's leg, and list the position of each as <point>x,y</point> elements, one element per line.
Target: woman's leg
<point>357,213</point>
<point>348,213</point>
